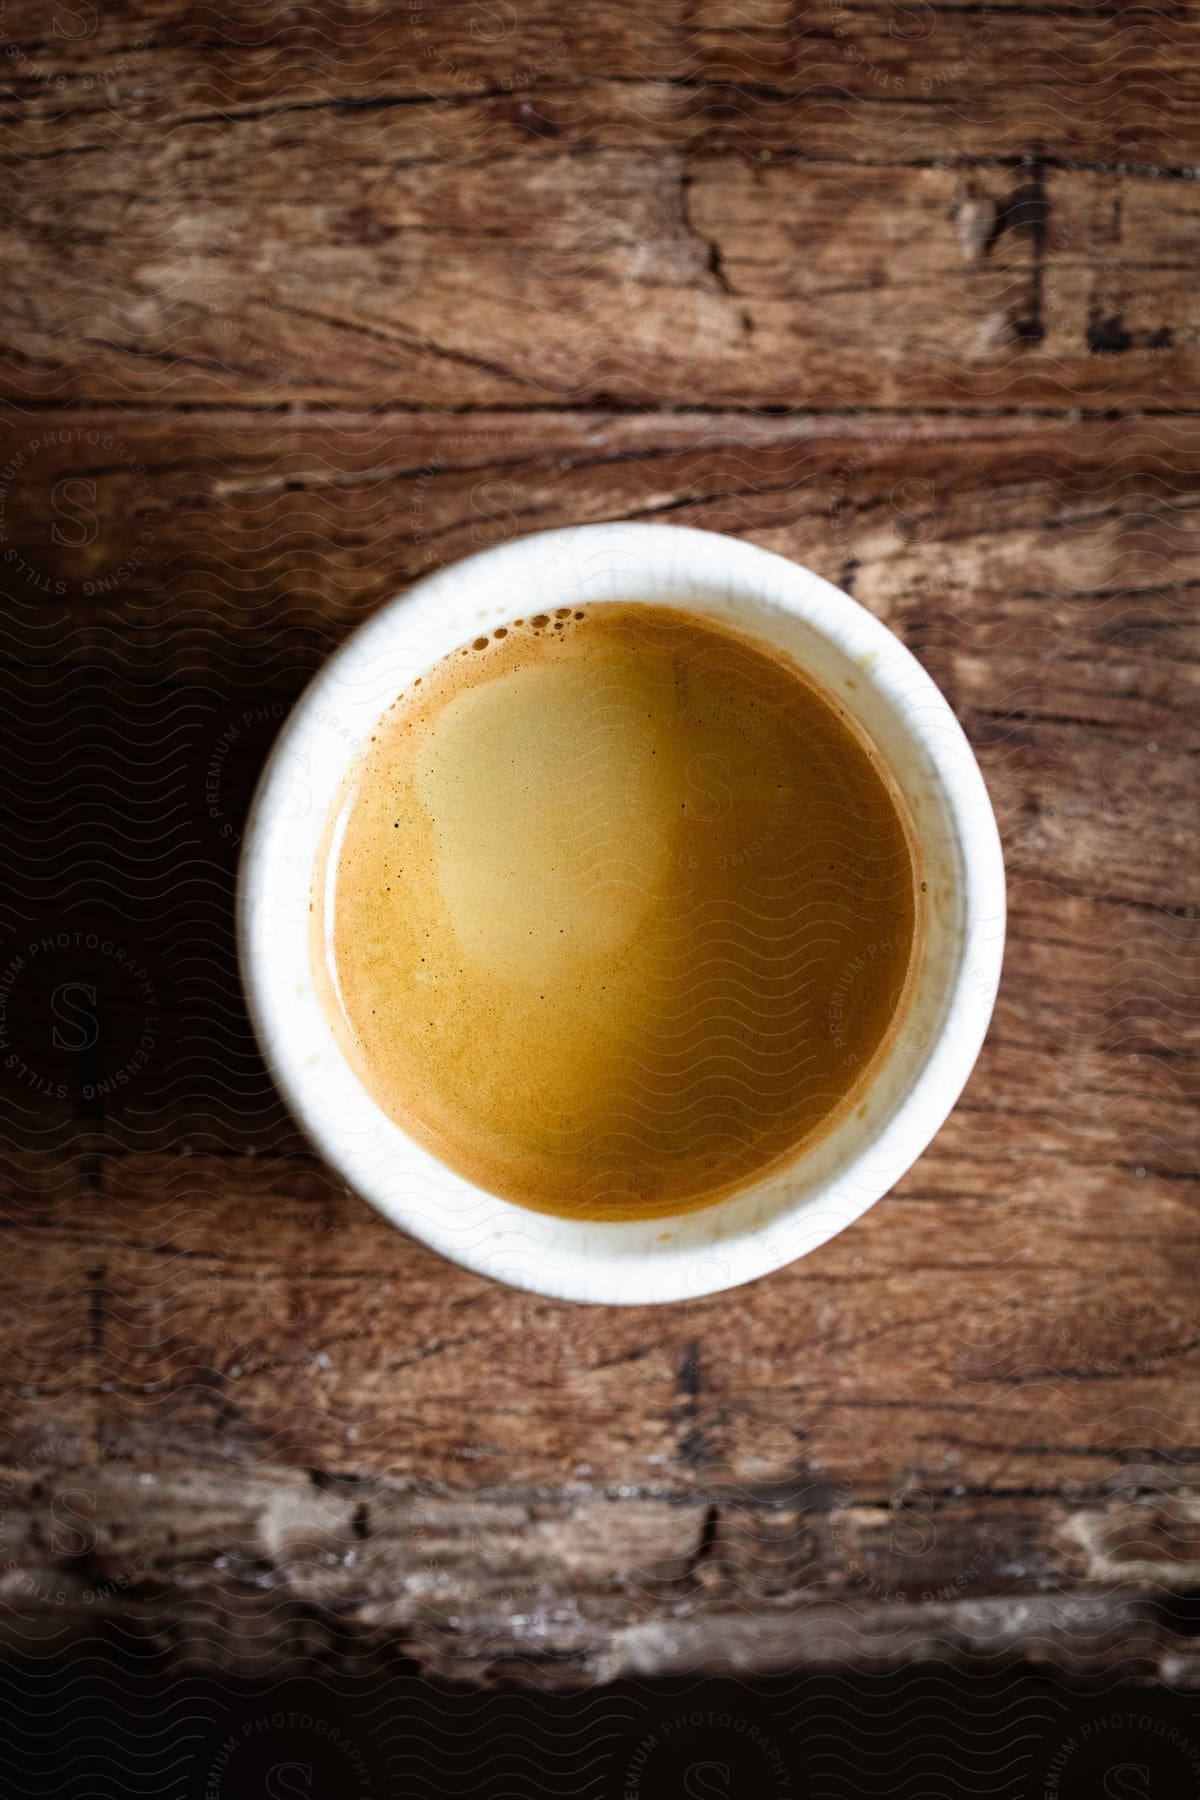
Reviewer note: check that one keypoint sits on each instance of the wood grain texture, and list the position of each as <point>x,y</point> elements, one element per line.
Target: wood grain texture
<point>314,264</point>
<point>305,302</point>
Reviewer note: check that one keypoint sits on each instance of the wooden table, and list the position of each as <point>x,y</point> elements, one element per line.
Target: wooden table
<point>303,301</point>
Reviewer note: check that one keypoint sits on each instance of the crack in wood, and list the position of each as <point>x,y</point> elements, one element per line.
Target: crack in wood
<point>705,1543</point>
<point>422,346</point>
<point>693,1445</point>
<point>713,258</point>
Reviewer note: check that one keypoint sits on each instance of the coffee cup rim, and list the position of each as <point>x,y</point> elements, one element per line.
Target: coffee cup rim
<point>762,1227</point>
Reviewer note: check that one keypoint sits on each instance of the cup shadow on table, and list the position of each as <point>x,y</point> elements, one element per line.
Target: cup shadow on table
<point>124,1020</point>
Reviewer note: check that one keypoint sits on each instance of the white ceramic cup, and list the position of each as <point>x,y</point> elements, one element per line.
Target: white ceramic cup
<point>826,1187</point>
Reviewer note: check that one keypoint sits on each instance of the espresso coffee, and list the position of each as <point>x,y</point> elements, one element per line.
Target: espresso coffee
<point>617,911</point>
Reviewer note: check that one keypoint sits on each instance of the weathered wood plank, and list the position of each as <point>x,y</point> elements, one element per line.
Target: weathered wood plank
<point>880,80</point>
<point>212,536</point>
<point>303,272</point>
<point>1026,1334</point>
<point>555,1590</point>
